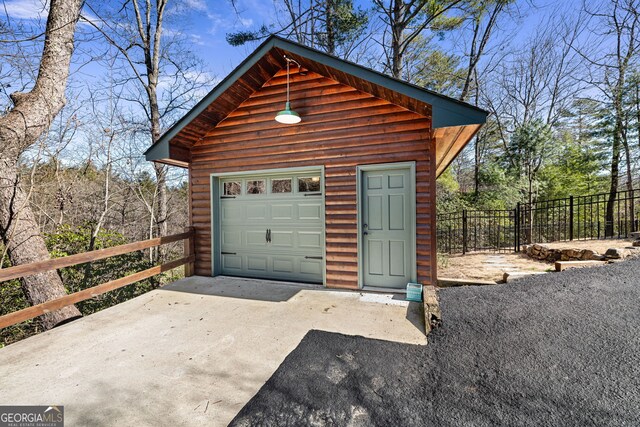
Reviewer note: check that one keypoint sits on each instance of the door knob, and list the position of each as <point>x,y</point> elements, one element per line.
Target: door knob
<point>365,226</point>
<point>366,233</point>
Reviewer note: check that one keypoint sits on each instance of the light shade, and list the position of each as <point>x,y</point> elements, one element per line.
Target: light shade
<point>288,116</point>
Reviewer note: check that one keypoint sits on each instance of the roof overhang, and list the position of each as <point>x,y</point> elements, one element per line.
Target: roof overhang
<point>454,122</point>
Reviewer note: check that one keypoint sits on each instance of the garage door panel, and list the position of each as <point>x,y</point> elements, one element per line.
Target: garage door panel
<point>296,225</point>
<point>310,211</point>
<point>310,239</point>
<point>283,265</point>
<point>257,263</point>
<point>231,238</point>
<point>255,238</point>
<point>232,212</point>
<point>232,262</point>
<point>282,239</point>
<point>311,267</point>
<point>282,211</point>
<point>256,212</point>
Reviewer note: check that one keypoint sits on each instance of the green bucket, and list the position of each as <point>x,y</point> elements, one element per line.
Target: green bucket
<point>414,292</point>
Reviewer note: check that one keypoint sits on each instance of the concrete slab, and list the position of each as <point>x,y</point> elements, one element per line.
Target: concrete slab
<point>563,265</point>
<point>191,353</point>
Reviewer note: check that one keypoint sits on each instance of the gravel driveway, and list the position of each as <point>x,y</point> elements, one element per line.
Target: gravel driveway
<point>556,349</point>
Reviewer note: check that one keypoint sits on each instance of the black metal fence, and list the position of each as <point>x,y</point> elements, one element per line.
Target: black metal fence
<point>573,218</point>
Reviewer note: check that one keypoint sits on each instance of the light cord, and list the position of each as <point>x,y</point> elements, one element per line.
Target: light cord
<point>287,82</point>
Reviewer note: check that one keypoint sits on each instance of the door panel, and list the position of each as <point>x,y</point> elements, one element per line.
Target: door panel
<point>375,256</point>
<point>293,249</point>
<point>374,212</point>
<point>387,228</point>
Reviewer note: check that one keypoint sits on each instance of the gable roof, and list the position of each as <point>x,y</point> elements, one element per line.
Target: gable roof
<point>454,122</point>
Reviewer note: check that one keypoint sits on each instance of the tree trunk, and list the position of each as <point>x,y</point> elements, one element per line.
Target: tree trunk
<point>20,128</point>
<point>613,188</point>
<point>21,236</point>
<point>476,167</point>
<point>472,61</point>
<point>397,32</point>
<point>329,21</point>
<point>161,216</point>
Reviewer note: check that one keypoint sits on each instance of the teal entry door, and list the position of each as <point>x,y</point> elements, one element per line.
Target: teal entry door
<point>387,222</point>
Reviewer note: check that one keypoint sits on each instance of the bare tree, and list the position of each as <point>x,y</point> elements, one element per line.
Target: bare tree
<point>483,18</point>
<point>537,80</point>
<point>618,26</point>
<point>20,128</point>
<point>136,31</point>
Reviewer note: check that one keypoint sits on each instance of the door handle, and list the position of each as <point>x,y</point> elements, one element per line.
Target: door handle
<point>366,233</point>
<point>266,236</point>
<point>365,226</point>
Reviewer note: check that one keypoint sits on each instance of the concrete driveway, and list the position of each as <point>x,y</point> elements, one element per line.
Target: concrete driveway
<point>191,353</point>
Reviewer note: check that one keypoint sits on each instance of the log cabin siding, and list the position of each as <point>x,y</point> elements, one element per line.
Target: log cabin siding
<point>341,128</point>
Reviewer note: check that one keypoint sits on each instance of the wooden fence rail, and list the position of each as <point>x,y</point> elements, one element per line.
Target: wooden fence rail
<point>40,267</point>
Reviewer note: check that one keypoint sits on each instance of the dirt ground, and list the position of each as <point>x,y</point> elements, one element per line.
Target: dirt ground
<point>492,266</point>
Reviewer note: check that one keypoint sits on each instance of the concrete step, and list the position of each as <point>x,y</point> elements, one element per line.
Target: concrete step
<point>444,282</point>
<point>563,265</point>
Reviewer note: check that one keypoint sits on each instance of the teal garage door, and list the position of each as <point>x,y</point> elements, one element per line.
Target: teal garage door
<point>271,226</point>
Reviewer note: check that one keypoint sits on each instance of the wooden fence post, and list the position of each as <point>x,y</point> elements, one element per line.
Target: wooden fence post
<point>189,249</point>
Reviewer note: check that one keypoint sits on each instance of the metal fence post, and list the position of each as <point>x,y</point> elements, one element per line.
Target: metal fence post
<point>518,225</point>
<point>464,231</point>
<point>516,228</point>
<point>570,217</point>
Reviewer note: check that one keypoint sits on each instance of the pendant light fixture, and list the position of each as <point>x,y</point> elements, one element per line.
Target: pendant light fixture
<point>288,116</point>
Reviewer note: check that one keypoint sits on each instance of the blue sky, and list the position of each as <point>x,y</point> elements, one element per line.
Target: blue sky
<point>215,18</point>
<point>206,22</point>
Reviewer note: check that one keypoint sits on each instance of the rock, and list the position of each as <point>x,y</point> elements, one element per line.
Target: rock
<point>586,254</point>
<point>432,314</point>
<point>615,253</point>
<point>572,253</point>
<point>544,253</point>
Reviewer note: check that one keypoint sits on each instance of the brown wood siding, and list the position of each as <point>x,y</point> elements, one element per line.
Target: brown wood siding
<point>341,128</point>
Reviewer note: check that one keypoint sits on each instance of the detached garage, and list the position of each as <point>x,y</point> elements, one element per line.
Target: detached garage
<point>304,167</point>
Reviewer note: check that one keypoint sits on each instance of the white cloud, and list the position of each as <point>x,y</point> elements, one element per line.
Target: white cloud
<point>196,39</point>
<point>185,7</point>
<point>195,5</point>
<point>25,9</point>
